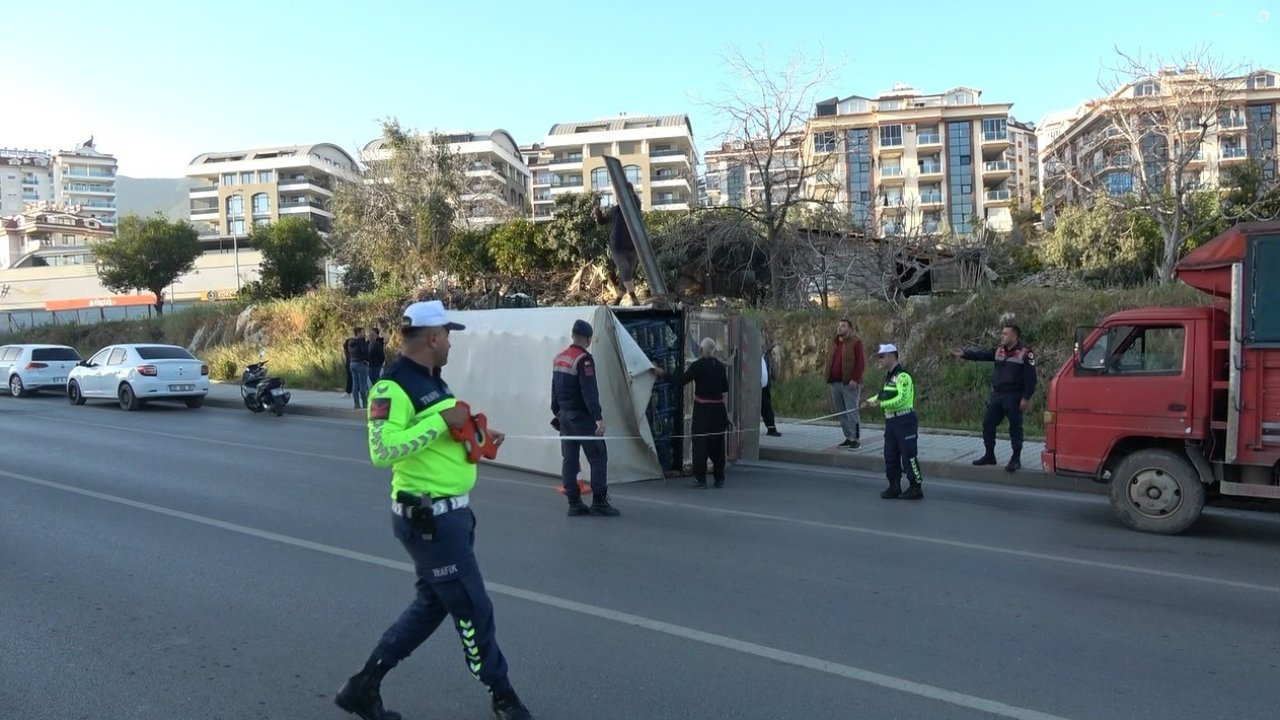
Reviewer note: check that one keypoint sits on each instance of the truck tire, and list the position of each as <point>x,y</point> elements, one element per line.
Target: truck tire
<point>1157,491</point>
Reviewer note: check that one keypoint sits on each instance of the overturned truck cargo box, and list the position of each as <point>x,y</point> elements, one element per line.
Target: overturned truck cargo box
<point>501,366</point>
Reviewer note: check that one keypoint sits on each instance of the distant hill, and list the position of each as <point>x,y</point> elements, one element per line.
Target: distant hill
<point>147,195</point>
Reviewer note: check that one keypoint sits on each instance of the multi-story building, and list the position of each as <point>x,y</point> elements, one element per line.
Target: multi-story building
<point>657,154</point>
<point>234,191</point>
<point>82,177</point>
<point>1179,121</point>
<point>45,234</point>
<point>497,174</point>
<point>735,174</point>
<point>905,162</point>
<point>1024,154</point>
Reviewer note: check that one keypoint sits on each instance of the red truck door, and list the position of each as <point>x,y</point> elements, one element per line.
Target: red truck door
<point>1135,380</point>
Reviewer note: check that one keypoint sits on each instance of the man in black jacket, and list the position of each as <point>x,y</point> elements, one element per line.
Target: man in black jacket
<point>1013,385</point>
<point>710,381</point>
<point>377,356</point>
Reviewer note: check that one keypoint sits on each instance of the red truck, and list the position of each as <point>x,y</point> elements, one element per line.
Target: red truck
<point>1173,406</point>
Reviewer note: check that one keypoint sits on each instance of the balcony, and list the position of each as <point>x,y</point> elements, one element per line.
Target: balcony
<point>998,197</point>
<point>73,172</point>
<point>658,180</point>
<point>894,148</point>
<point>666,156</point>
<point>931,198</point>
<point>306,206</point>
<point>997,168</point>
<point>892,174</point>
<point>85,189</point>
<point>995,139</point>
<point>566,160</point>
<point>204,191</point>
<point>1228,124</point>
<point>204,213</point>
<point>928,139</point>
<point>1234,153</point>
<point>304,184</point>
<point>933,168</point>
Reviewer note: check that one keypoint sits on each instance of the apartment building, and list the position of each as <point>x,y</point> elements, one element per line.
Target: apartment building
<point>1024,154</point>
<point>237,190</point>
<point>735,173</point>
<point>497,174</point>
<point>906,162</point>
<point>657,154</point>
<point>46,234</point>
<point>83,177</point>
<point>1099,148</point>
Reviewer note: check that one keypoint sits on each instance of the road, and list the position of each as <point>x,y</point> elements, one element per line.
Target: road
<point>172,563</point>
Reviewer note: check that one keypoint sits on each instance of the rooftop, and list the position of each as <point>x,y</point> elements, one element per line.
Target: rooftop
<point>622,122</point>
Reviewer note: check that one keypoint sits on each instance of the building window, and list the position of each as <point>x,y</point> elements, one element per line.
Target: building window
<point>995,129</point>
<point>633,174</point>
<point>1147,88</point>
<point>265,176</point>
<point>960,167</point>
<point>1261,81</point>
<point>1119,183</point>
<point>236,227</point>
<point>890,135</point>
<point>261,204</point>
<point>859,171</point>
<point>600,179</point>
<point>235,206</point>
<point>246,178</point>
<point>1261,122</point>
<point>887,105</point>
<point>228,179</point>
<point>824,142</point>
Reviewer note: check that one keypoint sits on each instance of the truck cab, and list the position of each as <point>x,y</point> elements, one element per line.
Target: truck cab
<point>1172,406</point>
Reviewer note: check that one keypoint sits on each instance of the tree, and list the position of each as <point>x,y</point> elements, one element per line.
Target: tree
<point>293,254</point>
<point>147,254</point>
<point>1144,148</point>
<point>398,219</point>
<point>1251,192</point>
<point>518,249</point>
<point>468,255</point>
<point>765,111</point>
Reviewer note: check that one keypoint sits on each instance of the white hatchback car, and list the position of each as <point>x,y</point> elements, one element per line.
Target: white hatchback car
<point>136,373</point>
<point>28,369</point>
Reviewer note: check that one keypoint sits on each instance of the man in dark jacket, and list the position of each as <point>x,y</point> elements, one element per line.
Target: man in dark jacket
<point>710,415</point>
<point>576,411</point>
<point>621,247</point>
<point>377,356</point>
<point>357,352</point>
<point>1013,385</point>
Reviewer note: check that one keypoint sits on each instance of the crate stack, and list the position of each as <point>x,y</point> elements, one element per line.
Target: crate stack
<point>660,341</point>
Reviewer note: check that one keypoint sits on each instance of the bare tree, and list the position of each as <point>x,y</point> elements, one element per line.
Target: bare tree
<point>765,110</point>
<point>1146,145</point>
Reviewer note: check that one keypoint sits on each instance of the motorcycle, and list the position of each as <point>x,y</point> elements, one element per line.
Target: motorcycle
<point>261,392</point>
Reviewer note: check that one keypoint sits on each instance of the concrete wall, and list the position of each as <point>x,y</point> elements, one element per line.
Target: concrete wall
<point>32,288</point>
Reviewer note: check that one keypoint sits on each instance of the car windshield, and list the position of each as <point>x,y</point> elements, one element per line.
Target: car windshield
<point>54,354</point>
<point>163,352</point>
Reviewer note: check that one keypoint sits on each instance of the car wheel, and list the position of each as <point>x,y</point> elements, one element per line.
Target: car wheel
<point>194,402</point>
<point>16,388</point>
<point>74,396</point>
<point>128,400</point>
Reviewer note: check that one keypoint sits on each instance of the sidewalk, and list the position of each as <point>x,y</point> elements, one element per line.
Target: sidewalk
<point>941,454</point>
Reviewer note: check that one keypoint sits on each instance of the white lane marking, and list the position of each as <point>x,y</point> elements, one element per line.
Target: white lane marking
<point>960,544</point>
<point>807,662</point>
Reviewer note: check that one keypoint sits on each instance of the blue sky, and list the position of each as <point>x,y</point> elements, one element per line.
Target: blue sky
<point>159,82</point>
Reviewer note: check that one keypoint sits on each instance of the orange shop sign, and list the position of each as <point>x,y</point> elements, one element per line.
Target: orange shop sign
<point>101,302</point>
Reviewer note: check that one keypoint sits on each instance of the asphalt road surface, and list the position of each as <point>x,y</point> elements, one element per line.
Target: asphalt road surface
<point>172,563</point>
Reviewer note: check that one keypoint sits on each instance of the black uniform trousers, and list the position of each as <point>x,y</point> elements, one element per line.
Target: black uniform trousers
<point>901,439</point>
<point>999,407</point>
<point>710,421</point>
<point>766,408</point>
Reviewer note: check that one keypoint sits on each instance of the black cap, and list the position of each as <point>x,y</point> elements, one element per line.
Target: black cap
<point>582,328</point>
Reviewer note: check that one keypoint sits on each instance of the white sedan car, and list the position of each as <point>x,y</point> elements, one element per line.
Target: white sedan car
<point>28,369</point>
<point>136,373</point>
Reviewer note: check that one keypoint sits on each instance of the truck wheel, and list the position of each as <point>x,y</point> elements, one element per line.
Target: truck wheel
<point>1157,491</point>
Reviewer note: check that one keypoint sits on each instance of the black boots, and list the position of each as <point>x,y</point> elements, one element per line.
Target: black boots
<point>576,507</point>
<point>361,694</point>
<point>913,491</point>
<point>600,506</point>
<point>988,458</point>
<point>894,490</point>
<point>507,706</point>
<point>1015,462</point>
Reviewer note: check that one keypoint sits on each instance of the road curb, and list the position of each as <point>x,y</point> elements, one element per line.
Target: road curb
<point>1034,479</point>
<point>303,410</point>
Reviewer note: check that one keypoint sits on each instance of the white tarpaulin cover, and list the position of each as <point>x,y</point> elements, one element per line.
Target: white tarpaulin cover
<point>501,365</point>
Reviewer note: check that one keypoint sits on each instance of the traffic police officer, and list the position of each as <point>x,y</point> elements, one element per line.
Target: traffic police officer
<point>901,428</point>
<point>1013,385</point>
<point>411,412</point>
<point>576,411</point>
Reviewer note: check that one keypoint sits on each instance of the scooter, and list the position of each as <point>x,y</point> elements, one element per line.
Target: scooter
<point>261,392</point>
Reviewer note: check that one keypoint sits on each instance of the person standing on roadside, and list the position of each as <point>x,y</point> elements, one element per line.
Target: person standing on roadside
<point>1013,385</point>
<point>845,365</point>
<point>766,398</point>
<point>710,380</point>
<point>357,351</point>
<point>377,356</point>
<point>577,414</point>
<point>901,427</point>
